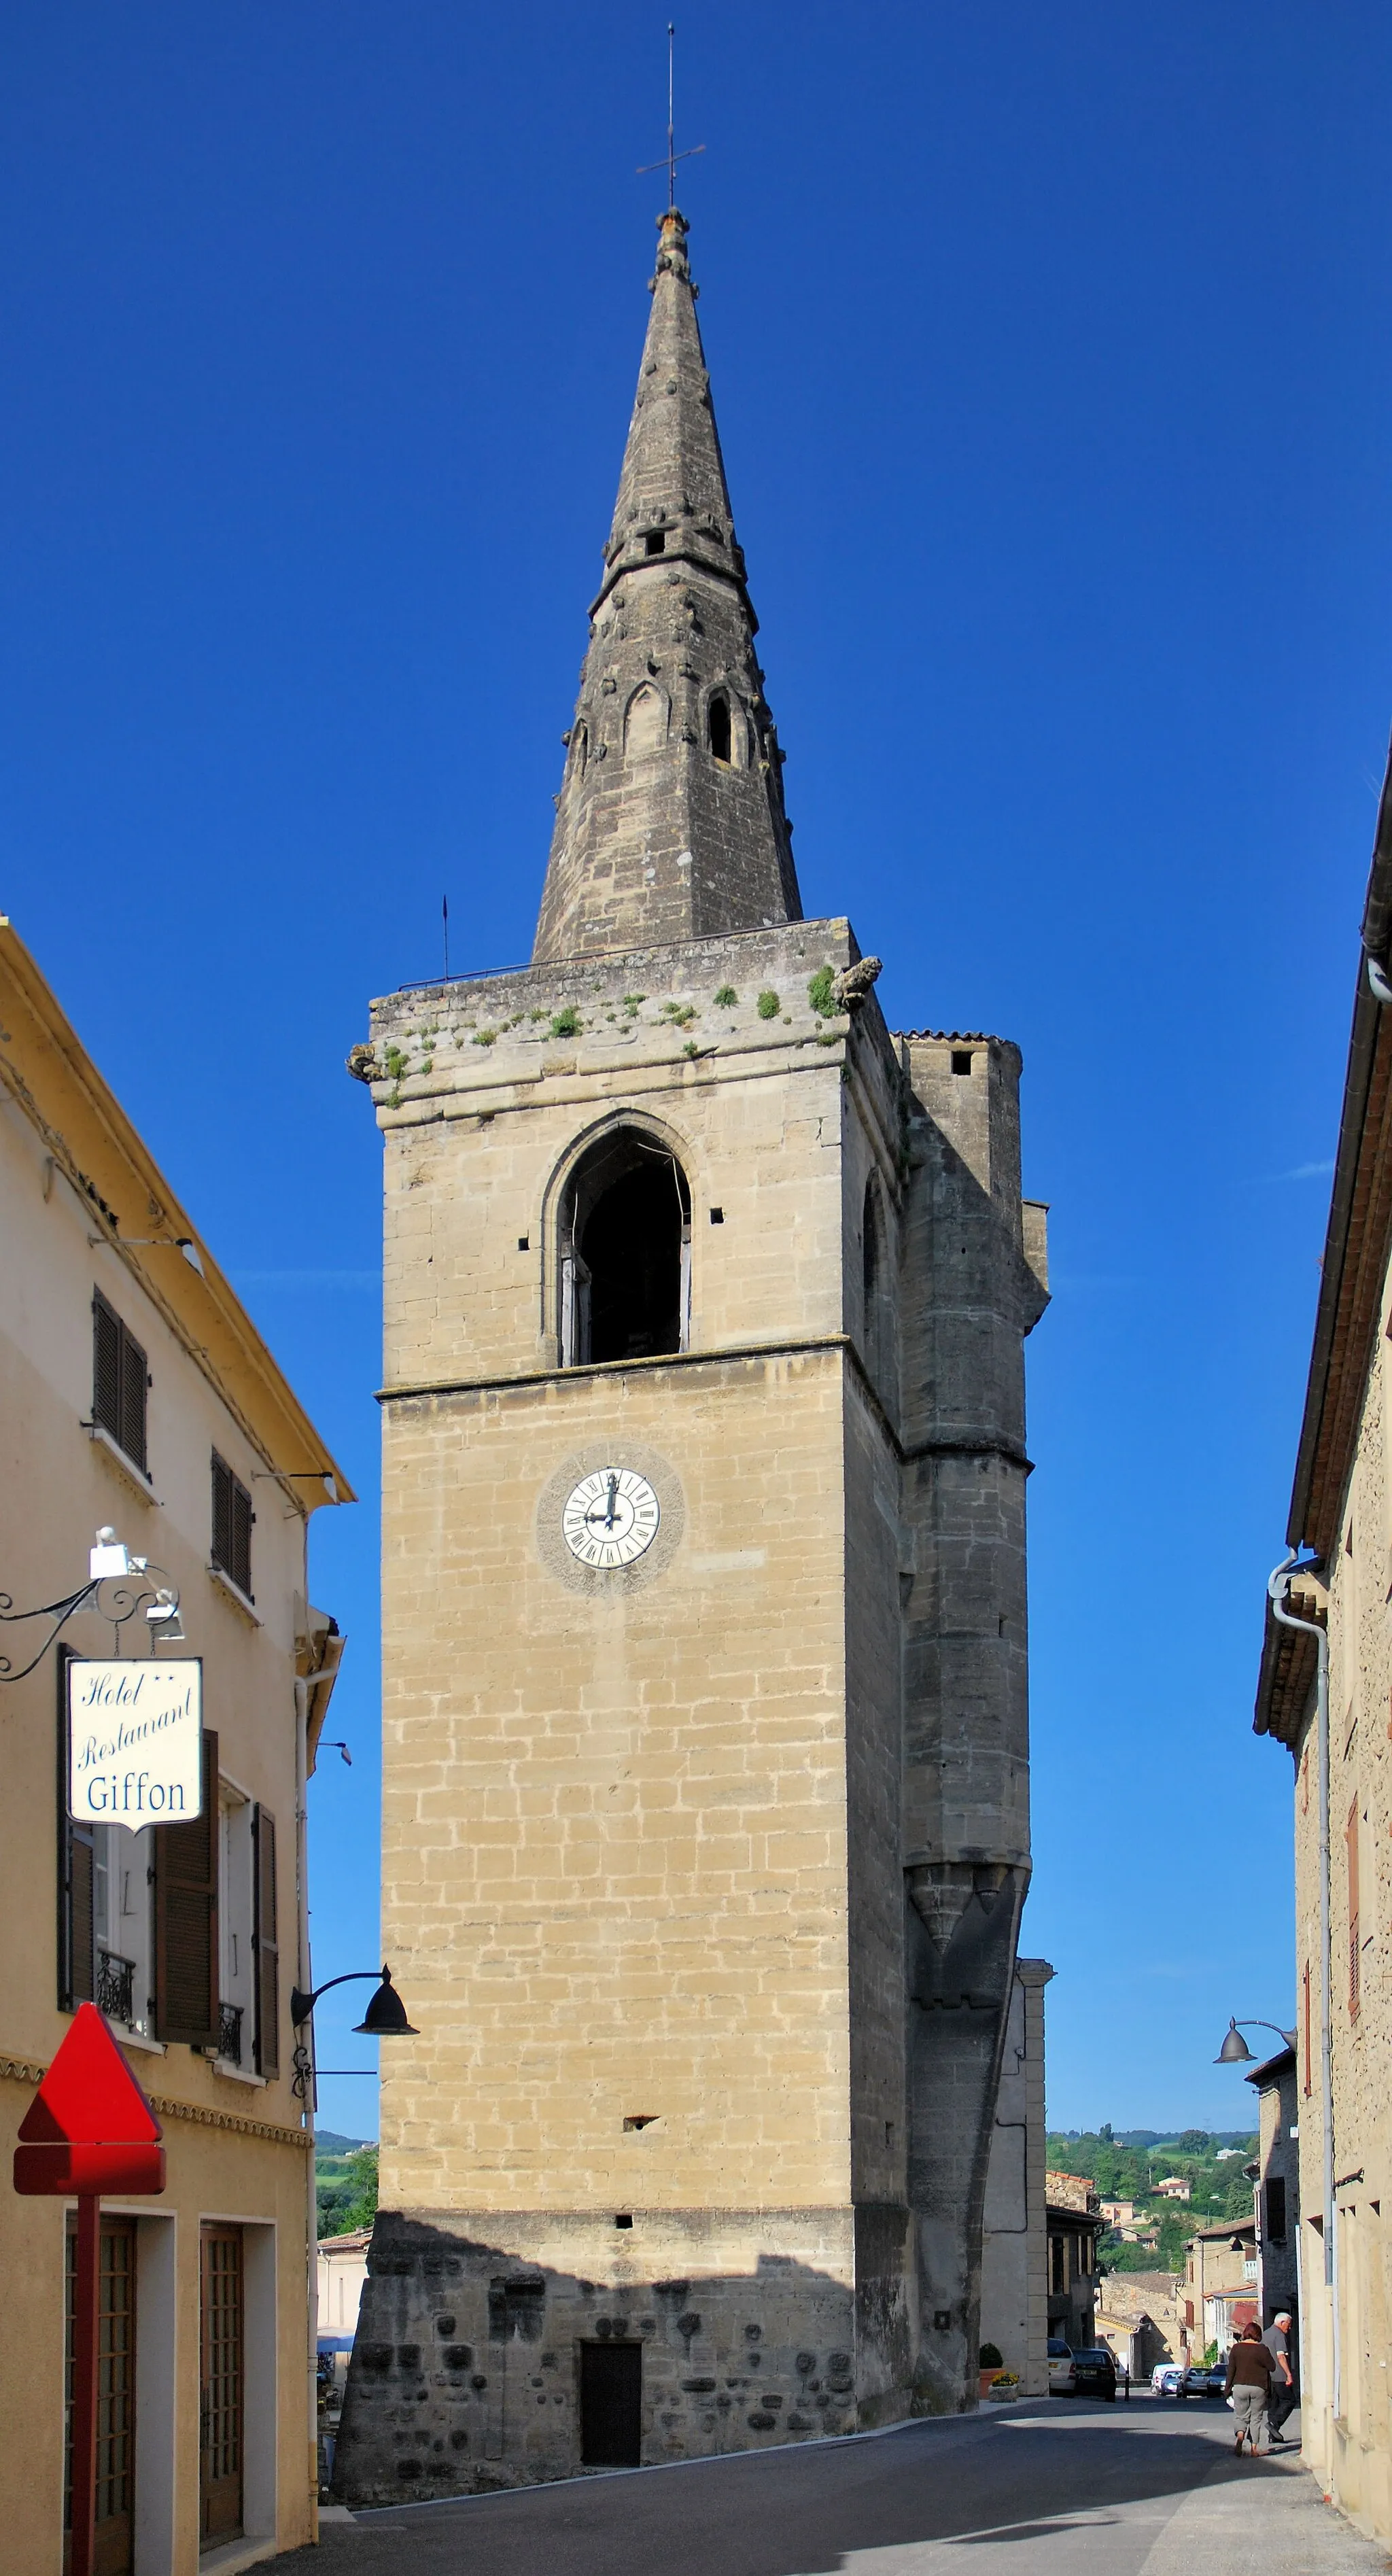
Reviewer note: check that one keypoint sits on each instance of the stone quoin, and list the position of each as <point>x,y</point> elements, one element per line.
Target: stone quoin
<point>703,1858</point>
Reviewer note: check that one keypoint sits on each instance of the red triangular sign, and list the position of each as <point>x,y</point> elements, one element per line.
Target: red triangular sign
<point>89,2096</point>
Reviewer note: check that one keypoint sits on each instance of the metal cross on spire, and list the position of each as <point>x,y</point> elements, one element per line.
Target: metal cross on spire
<point>671,156</point>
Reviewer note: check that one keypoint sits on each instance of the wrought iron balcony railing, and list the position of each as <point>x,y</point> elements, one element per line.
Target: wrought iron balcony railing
<point>115,1986</point>
<point>230,2033</point>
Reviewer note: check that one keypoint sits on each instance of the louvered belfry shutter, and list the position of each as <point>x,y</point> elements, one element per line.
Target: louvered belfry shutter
<point>134,1386</point>
<point>106,1366</point>
<point>77,1958</point>
<point>186,1918</point>
<point>265,1946</point>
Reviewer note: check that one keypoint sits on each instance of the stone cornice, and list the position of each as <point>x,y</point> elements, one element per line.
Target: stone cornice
<point>26,2070</point>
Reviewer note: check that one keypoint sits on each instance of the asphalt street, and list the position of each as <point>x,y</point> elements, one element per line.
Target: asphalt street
<point>1056,2487</point>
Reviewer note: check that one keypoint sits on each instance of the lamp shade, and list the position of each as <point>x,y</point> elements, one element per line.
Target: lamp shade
<point>385,2017</point>
<point>1234,2050</point>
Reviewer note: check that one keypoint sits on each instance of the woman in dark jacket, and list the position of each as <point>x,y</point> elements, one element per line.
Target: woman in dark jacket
<point>1250,2368</point>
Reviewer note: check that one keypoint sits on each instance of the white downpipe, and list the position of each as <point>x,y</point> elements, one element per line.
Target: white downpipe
<point>305,1981</point>
<point>1278,1589</point>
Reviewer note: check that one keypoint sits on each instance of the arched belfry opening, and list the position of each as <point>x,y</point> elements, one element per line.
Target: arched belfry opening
<point>625,1252</point>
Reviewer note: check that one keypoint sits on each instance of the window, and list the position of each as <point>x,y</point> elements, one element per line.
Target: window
<point>232,1520</point>
<point>720,730</point>
<point>655,542</point>
<point>122,1877</point>
<point>138,1912</point>
<point>186,1918</point>
<point>235,1874</point>
<point>120,1381</point>
<point>248,1952</point>
<point>1274,2211</point>
<point>645,724</point>
<point>1057,2282</point>
<point>961,1060</point>
<point>625,1253</point>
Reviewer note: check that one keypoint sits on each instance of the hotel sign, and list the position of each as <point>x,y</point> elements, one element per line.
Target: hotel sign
<point>135,1740</point>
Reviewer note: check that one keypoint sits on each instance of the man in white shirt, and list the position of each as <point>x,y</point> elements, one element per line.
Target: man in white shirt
<point>1283,2396</point>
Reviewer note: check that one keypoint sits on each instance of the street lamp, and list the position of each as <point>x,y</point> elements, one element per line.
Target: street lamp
<point>385,2017</point>
<point>1235,2051</point>
<point>119,1586</point>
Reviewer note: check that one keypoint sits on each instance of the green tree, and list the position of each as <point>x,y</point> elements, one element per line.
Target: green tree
<point>347,2197</point>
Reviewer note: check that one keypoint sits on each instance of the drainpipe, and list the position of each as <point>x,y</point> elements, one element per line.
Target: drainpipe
<point>306,1981</point>
<point>1278,1590</point>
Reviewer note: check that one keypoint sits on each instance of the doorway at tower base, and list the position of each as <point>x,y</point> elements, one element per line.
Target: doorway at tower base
<point>499,2351</point>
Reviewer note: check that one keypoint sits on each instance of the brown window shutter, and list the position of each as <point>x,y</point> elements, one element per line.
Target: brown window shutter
<point>134,1387</point>
<point>265,1945</point>
<point>106,1366</point>
<point>77,1983</point>
<point>186,1918</point>
<point>242,1516</point>
<point>222,1514</point>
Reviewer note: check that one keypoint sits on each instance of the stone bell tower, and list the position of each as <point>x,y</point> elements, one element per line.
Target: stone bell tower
<point>705,1826</point>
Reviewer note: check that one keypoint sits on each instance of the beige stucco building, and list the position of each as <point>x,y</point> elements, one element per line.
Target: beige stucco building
<point>136,1395</point>
<point>705,1825</point>
<point>1324,1692</point>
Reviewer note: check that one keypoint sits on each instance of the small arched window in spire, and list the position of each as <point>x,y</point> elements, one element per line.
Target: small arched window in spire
<point>579,751</point>
<point>645,724</point>
<point>719,727</point>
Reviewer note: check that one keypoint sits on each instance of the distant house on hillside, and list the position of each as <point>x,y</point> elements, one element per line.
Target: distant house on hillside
<point>1072,2191</point>
<point>1218,2294</point>
<point>1174,2187</point>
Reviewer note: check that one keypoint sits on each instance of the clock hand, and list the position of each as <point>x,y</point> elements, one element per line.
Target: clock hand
<point>613,1496</point>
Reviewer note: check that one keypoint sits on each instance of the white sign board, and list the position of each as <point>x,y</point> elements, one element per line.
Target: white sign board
<point>135,1740</point>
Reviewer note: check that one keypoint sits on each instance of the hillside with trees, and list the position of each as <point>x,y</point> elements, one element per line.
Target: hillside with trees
<point>1129,2167</point>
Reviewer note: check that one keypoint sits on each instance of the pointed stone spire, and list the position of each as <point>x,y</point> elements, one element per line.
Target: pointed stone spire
<point>670,821</point>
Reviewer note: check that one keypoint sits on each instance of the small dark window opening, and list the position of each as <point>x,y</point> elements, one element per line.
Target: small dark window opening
<point>120,1381</point>
<point>625,1253</point>
<point>624,2219</point>
<point>720,729</point>
<point>961,1060</point>
<point>232,1520</point>
<point>524,1243</point>
<point>1274,2225</point>
<point>655,542</point>
<point>717,1216</point>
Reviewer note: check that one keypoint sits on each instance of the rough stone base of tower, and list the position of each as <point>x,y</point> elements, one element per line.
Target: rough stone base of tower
<point>749,2329</point>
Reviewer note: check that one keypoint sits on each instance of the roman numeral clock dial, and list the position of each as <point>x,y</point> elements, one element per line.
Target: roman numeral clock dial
<point>610,1517</point>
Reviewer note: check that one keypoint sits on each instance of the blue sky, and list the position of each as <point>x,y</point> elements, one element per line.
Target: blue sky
<point>1051,354</point>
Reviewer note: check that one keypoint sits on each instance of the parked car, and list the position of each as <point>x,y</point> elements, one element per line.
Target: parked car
<point>1060,2367</point>
<point>1095,2373</point>
<point>1202,2380</point>
<point>1165,2378</point>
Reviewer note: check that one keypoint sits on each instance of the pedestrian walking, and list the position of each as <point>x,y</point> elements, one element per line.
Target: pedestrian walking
<point>1284,2398</point>
<point>1251,2369</point>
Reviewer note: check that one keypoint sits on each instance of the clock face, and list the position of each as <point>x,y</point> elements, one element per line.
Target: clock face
<point>610,1517</point>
